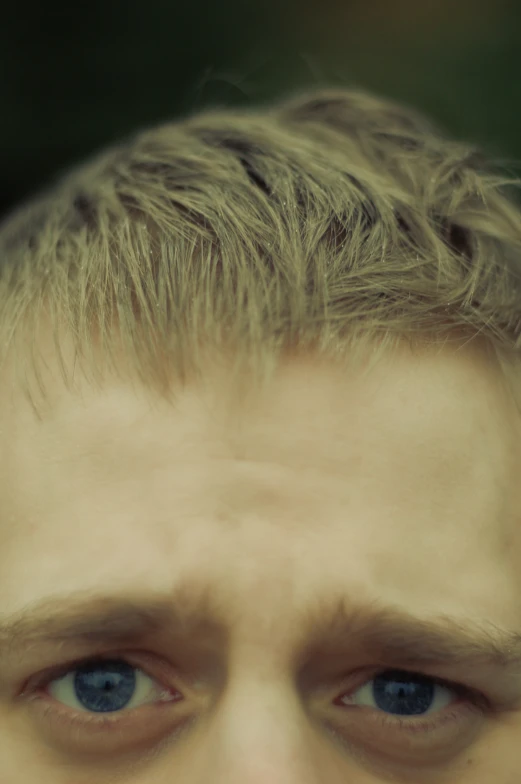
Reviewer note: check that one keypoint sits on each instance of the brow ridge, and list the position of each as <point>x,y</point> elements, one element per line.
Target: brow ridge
<point>392,633</point>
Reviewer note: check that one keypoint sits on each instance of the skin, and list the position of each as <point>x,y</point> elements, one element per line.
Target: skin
<point>399,487</point>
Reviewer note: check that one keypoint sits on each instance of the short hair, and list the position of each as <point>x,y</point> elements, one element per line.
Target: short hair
<point>331,220</point>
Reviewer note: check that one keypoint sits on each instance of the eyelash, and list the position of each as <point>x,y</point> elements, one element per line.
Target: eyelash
<point>469,700</point>
<point>53,711</point>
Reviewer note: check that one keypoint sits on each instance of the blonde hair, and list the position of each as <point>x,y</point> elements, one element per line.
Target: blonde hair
<point>333,221</point>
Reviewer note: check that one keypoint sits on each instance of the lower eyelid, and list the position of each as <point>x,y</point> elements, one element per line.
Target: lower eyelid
<point>159,693</point>
<point>154,714</point>
<point>107,734</point>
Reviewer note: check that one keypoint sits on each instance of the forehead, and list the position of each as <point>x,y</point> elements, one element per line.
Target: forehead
<point>321,375</point>
<point>436,410</point>
<point>451,399</point>
<point>323,477</point>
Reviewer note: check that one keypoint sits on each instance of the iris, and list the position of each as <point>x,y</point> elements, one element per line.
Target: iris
<point>105,686</point>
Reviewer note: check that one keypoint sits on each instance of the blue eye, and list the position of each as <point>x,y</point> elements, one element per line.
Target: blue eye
<point>405,694</point>
<point>100,698</point>
<point>104,686</point>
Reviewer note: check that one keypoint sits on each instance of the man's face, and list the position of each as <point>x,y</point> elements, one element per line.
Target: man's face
<point>246,596</point>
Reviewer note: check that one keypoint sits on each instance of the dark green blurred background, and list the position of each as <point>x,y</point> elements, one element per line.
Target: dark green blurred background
<point>75,78</point>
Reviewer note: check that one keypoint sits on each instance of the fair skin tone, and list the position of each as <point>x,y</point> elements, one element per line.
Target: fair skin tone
<point>244,531</point>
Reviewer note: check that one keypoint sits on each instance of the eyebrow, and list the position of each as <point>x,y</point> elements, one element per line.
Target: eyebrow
<point>392,634</point>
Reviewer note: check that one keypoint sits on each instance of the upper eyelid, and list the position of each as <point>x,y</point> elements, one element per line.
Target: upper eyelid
<point>44,678</point>
<point>61,671</point>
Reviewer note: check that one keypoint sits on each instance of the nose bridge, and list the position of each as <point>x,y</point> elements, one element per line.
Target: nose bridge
<point>258,734</point>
